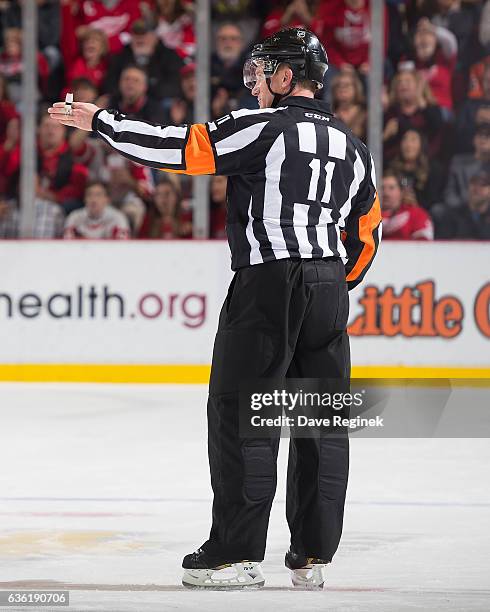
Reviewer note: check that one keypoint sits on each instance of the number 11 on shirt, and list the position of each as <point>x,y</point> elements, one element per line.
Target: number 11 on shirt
<point>315,166</point>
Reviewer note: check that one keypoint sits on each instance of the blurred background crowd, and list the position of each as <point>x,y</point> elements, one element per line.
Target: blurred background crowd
<point>139,57</point>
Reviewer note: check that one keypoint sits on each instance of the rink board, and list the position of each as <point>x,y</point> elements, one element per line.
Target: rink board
<point>147,311</point>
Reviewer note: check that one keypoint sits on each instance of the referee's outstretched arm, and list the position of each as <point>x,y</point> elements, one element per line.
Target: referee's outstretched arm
<point>182,149</point>
<point>226,146</point>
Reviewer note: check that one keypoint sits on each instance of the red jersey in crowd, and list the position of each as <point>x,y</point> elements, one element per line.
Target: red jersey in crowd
<point>347,32</point>
<point>178,35</point>
<point>439,77</point>
<point>115,22</point>
<point>80,69</point>
<point>273,24</point>
<point>9,169</point>
<point>144,178</point>
<point>110,225</point>
<point>407,223</point>
<point>72,186</point>
<point>57,173</point>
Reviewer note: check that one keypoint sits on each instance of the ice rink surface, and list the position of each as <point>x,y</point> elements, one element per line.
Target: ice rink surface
<point>104,488</point>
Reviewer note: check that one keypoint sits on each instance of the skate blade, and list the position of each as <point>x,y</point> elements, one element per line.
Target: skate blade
<point>218,587</point>
<point>309,578</point>
<point>246,577</point>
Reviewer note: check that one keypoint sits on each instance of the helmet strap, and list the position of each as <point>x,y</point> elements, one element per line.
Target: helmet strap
<point>277,96</point>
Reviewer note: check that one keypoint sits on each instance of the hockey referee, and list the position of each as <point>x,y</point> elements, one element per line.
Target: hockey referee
<point>303,226</point>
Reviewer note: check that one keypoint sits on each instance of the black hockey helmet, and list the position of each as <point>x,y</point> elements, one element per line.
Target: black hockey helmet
<point>297,47</point>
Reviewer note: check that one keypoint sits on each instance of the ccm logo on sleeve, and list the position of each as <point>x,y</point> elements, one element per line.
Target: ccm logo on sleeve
<point>315,116</point>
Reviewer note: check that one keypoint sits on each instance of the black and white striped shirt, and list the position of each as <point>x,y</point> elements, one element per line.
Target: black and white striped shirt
<point>300,184</point>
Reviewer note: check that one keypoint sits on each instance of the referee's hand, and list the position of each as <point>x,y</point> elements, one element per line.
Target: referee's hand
<point>81,115</point>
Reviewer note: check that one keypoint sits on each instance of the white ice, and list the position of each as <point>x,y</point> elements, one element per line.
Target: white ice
<point>104,488</point>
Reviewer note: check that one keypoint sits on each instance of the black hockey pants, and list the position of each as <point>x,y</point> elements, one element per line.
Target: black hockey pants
<point>285,318</point>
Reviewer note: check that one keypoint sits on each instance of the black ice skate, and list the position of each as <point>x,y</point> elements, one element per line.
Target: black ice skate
<point>306,572</point>
<point>204,572</point>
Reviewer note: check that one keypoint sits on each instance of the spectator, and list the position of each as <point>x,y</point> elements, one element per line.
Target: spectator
<point>48,26</point>
<point>348,103</point>
<point>218,207</point>
<point>114,17</point>
<point>458,17</point>
<point>472,113</point>
<point>176,27</point>
<point>466,165</point>
<point>10,159</point>
<point>92,63</point>
<point>133,99</point>
<point>161,64</point>
<point>48,219</point>
<point>347,32</point>
<point>471,221</point>
<point>398,45</point>
<point>411,106</point>
<point>292,14</point>
<point>7,109</point>
<point>402,221</point>
<point>9,219</point>
<point>221,104</point>
<point>435,50</point>
<point>421,177</point>
<point>98,219</point>
<point>84,90</point>
<point>181,109</point>
<point>86,149</point>
<point>227,61</point>
<point>246,14</point>
<point>478,73</point>
<point>11,65</point>
<point>164,219</point>
<point>129,185</point>
<point>59,178</point>
<point>484,33</point>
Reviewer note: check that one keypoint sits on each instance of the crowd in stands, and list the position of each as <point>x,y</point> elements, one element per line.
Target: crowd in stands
<point>139,57</point>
